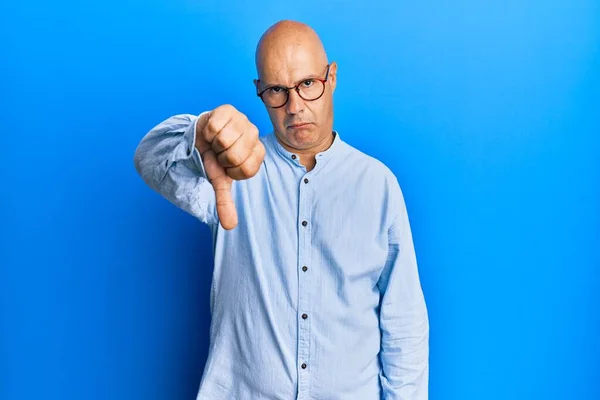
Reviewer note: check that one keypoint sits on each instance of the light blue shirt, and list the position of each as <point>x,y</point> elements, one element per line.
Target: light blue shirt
<point>316,292</point>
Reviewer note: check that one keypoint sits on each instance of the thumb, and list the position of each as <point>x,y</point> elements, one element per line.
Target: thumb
<point>221,183</point>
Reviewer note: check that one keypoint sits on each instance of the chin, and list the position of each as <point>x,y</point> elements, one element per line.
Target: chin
<point>302,137</point>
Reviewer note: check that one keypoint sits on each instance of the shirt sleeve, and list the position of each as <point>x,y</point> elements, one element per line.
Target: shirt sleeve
<point>167,160</point>
<point>403,319</point>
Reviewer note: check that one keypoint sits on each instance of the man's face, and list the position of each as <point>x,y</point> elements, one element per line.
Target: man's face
<point>300,123</point>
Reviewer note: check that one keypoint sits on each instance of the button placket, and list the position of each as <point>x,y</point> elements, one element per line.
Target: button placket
<point>304,248</point>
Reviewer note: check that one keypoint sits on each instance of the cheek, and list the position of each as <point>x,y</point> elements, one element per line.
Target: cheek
<point>277,116</point>
<point>321,110</point>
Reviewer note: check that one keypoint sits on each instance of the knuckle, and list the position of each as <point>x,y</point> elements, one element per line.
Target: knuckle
<point>245,170</point>
<point>238,115</point>
<point>222,111</point>
<point>219,142</point>
<point>235,159</point>
<point>228,108</point>
<point>211,125</point>
<point>253,130</point>
<point>227,159</point>
<point>251,166</point>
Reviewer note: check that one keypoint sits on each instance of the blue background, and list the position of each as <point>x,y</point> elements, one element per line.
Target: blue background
<point>487,111</point>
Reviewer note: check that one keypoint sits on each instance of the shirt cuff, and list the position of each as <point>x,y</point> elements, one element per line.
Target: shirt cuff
<point>192,151</point>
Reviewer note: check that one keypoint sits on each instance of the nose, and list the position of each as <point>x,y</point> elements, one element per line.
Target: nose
<point>295,104</point>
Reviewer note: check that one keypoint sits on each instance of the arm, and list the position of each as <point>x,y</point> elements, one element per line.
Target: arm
<point>169,162</point>
<point>403,318</point>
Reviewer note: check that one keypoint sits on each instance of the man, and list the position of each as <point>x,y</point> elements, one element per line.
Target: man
<point>315,292</point>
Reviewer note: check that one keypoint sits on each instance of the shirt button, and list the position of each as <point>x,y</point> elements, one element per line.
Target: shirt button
<point>304,223</point>
<point>304,316</point>
<point>293,156</point>
<point>303,366</point>
<point>304,268</point>
<point>305,180</point>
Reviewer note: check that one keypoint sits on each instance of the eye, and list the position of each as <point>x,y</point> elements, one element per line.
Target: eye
<point>275,89</point>
<point>308,83</point>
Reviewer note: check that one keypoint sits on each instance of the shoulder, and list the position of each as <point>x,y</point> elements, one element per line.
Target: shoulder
<point>378,179</point>
<point>369,166</point>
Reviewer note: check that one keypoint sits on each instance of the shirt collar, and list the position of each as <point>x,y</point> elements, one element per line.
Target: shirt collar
<point>332,150</point>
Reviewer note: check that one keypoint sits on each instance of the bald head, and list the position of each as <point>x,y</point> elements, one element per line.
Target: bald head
<point>285,41</point>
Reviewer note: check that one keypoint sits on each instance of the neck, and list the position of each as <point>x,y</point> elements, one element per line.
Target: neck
<point>307,156</point>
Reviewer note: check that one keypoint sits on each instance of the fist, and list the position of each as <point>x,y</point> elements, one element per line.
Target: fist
<point>230,149</point>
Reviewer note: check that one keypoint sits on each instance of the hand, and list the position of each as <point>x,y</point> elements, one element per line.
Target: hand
<point>230,149</point>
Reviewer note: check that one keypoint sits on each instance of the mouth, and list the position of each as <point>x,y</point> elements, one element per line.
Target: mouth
<point>299,126</point>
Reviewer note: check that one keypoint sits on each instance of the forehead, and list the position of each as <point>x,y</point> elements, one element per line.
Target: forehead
<point>288,65</point>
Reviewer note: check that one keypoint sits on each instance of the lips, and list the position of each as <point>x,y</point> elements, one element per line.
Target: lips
<point>301,125</point>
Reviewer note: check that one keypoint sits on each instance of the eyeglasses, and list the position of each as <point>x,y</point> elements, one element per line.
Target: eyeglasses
<point>309,89</point>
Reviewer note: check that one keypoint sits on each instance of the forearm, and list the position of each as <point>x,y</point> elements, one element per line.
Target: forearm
<point>169,163</point>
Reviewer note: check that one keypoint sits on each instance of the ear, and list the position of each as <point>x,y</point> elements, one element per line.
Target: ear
<point>332,76</point>
<point>256,84</point>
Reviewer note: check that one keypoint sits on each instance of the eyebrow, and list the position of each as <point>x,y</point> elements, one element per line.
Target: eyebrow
<point>312,76</point>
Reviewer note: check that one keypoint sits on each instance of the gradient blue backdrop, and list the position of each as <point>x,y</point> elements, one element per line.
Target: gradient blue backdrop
<point>487,111</point>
